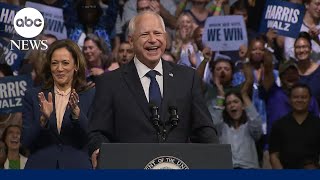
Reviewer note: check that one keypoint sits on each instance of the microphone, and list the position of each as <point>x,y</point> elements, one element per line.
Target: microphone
<point>173,120</point>
<point>155,117</point>
<point>174,117</point>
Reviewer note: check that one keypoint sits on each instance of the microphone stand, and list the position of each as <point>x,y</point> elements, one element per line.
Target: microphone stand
<point>162,131</point>
<point>155,119</point>
<point>173,121</point>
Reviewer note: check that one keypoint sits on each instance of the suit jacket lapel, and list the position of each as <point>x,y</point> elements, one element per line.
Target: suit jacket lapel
<point>168,89</point>
<point>131,77</point>
<point>66,118</point>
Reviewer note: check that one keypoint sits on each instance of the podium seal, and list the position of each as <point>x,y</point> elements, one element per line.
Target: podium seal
<point>166,162</point>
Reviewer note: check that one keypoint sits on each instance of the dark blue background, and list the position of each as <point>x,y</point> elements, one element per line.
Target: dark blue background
<point>162,175</point>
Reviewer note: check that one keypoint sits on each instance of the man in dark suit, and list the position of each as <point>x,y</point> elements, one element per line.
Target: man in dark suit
<point>121,110</point>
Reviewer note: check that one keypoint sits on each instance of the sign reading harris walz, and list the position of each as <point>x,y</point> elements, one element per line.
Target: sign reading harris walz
<point>285,17</point>
<point>12,89</point>
<point>7,13</point>
<point>13,57</point>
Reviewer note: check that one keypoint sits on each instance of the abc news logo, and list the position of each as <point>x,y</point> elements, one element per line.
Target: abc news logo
<point>28,23</point>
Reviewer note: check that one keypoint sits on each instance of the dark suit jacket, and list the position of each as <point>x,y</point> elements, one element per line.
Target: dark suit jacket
<point>121,111</point>
<point>49,149</point>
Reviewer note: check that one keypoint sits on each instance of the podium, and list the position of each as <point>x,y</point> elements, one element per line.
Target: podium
<point>164,156</point>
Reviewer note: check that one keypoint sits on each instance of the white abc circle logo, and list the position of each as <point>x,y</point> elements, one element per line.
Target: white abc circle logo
<point>28,22</point>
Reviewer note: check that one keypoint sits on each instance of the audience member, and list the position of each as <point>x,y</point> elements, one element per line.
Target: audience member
<point>125,53</point>
<point>278,104</point>
<point>11,137</point>
<point>184,49</point>
<point>239,124</point>
<point>295,137</point>
<point>309,71</point>
<point>98,57</point>
<point>311,24</point>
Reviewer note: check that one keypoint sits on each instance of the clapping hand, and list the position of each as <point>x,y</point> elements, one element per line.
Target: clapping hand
<point>314,33</point>
<point>155,6</point>
<point>207,53</point>
<point>46,107</point>
<point>73,104</point>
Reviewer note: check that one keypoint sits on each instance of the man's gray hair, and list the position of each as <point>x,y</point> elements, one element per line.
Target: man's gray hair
<point>132,23</point>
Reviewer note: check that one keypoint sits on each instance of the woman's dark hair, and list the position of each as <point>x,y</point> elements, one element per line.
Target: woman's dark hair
<point>213,64</point>
<point>239,5</point>
<point>105,57</point>
<point>304,35</point>
<point>5,132</point>
<point>226,117</point>
<point>79,82</point>
<point>260,38</point>
<point>22,150</point>
<point>300,85</point>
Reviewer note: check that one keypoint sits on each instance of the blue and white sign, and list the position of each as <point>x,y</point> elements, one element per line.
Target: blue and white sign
<point>12,57</point>
<point>7,13</point>
<point>285,17</point>
<point>53,18</point>
<point>12,89</point>
<point>224,33</point>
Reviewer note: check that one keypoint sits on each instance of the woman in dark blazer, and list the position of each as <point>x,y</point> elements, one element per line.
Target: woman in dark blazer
<point>55,116</point>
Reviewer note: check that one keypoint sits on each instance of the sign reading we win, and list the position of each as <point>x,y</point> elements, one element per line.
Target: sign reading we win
<point>224,33</point>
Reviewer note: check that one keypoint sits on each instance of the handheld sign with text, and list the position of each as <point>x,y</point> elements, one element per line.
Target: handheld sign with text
<point>13,57</point>
<point>53,17</point>
<point>285,17</point>
<point>7,13</point>
<point>12,89</point>
<point>224,33</point>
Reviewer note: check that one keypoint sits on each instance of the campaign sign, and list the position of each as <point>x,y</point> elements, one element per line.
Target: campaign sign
<point>7,13</point>
<point>285,17</point>
<point>13,57</point>
<point>53,18</point>
<point>224,33</point>
<point>12,89</point>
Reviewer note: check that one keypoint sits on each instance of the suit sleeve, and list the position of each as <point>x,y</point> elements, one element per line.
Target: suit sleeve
<point>31,128</point>
<point>29,132</point>
<point>101,120</point>
<point>203,130</point>
<point>81,124</point>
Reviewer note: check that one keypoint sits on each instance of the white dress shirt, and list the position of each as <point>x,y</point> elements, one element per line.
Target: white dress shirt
<point>145,81</point>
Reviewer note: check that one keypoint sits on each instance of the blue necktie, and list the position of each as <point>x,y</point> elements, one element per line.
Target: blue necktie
<point>154,89</point>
